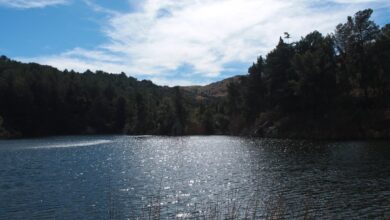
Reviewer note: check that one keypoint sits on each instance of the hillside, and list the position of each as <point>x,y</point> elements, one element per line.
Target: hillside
<point>37,100</point>
<point>321,87</point>
<point>217,89</point>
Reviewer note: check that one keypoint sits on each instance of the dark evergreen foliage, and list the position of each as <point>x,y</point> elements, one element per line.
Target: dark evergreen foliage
<point>40,100</point>
<point>334,86</point>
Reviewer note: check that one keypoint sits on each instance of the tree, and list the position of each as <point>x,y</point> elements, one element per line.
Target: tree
<point>120,115</point>
<point>233,99</point>
<point>315,67</point>
<point>166,117</point>
<point>278,73</point>
<point>353,39</point>
<point>141,125</point>
<point>181,114</point>
<point>254,89</point>
<point>356,32</point>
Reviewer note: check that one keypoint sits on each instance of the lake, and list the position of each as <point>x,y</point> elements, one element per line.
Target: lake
<point>127,177</point>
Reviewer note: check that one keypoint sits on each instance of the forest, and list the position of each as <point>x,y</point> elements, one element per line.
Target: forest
<point>40,100</point>
<point>335,86</point>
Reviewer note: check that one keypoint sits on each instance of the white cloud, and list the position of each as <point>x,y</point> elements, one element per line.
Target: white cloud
<point>177,82</point>
<point>32,3</point>
<point>207,34</point>
<point>99,8</point>
<point>355,1</point>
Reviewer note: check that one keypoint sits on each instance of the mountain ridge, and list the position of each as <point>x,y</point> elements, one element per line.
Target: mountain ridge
<point>320,87</point>
<point>214,89</point>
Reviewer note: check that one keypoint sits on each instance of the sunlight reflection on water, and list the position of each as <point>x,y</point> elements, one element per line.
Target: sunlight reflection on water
<point>118,177</point>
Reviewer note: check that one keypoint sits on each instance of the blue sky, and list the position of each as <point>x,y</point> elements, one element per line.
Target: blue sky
<point>171,42</point>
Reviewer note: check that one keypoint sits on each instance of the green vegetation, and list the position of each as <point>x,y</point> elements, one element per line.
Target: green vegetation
<point>40,100</point>
<point>334,86</point>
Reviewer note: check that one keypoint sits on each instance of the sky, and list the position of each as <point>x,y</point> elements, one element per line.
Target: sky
<point>171,42</point>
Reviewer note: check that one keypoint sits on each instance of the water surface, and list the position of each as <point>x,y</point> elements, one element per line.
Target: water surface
<point>123,177</point>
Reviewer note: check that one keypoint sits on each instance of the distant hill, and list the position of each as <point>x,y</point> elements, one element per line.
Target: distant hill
<point>216,89</point>
<point>320,87</point>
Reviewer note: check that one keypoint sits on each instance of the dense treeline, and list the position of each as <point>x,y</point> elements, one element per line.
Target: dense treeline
<point>40,100</point>
<point>334,86</point>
